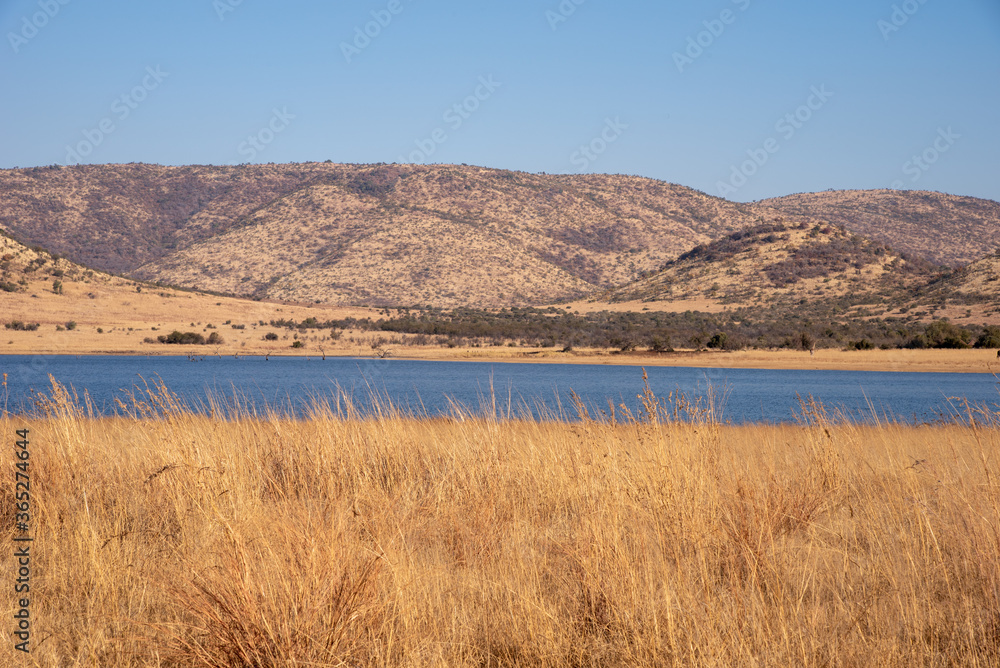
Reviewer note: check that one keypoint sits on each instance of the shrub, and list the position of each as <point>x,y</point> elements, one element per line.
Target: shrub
<point>717,341</point>
<point>990,338</point>
<point>944,334</point>
<point>19,326</point>
<point>71,325</point>
<point>660,345</point>
<point>184,338</point>
<point>270,336</point>
<point>298,344</point>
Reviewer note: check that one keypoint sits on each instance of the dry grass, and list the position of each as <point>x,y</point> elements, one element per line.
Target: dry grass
<point>165,538</point>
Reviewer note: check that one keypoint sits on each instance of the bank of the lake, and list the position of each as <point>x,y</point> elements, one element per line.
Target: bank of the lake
<point>904,360</point>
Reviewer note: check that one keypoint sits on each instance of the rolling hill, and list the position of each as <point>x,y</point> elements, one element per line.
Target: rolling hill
<point>49,305</point>
<point>444,235</point>
<point>785,265</point>
<point>378,234</point>
<point>945,229</point>
<point>971,293</point>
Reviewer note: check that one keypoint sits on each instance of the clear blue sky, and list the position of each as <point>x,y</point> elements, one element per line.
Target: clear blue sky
<point>192,81</point>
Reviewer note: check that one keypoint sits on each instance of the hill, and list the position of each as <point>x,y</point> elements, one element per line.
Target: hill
<point>971,293</point>
<point>53,306</point>
<point>945,229</point>
<point>782,265</point>
<point>50,305</point>
<point>403,234</point>
<point>369,234</point>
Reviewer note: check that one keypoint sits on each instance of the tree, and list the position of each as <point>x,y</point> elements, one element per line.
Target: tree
<point>717,341</point>
<point>990,338</point>
<point>944,334</point>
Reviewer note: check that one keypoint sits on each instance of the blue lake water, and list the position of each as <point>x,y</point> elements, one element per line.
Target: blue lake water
<point>290,383</point>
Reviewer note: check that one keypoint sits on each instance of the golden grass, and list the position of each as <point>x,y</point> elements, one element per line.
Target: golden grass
<point>167,538</point>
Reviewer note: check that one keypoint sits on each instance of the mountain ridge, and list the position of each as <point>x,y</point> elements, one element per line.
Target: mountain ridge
<point>448,235</point>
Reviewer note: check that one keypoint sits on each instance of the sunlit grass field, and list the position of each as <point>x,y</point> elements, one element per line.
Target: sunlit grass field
<point>166,537</point>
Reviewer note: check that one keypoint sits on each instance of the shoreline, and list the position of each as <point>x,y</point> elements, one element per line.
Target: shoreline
<point>926,361</point>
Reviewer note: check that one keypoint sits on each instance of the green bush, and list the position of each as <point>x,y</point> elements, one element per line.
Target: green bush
<point>990,338</point>
<point>944,334</point>
<point>19,326</point>
<point>717,341</point>
<point>183,338</point>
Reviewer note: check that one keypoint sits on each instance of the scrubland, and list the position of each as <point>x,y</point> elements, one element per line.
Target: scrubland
<point>168,537</point>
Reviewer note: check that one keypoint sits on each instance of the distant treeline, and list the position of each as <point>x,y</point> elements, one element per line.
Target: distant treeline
<point>659,331</point>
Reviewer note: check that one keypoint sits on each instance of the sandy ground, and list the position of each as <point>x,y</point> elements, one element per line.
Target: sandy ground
<point>952,361</point>
<point>120,342</point>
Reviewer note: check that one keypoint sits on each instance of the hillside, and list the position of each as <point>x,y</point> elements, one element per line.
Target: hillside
<point>971,292</point>
<point>49,305</point>
<point>363,234</point>
<point>945,229</point>
<point>404,234</point>
<point>799,266</point>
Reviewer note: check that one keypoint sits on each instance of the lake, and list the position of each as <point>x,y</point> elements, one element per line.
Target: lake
<point>290,383</point>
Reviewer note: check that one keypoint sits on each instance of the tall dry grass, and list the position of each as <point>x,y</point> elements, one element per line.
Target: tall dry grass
<point>168,538</point>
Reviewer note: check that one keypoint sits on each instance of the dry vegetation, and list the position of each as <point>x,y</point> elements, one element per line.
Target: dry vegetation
<point>946,229</point>
<point>781,264</point>
<point>363,234</point>
<point>971,291</point>
<point>92,312</point>
<point>445,235</point>
<point>164,538</point>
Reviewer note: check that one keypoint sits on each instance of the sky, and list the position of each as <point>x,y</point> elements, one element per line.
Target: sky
<point>743,99</point>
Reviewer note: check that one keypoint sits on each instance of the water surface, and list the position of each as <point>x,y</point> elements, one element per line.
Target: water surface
<point>747,395</point>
